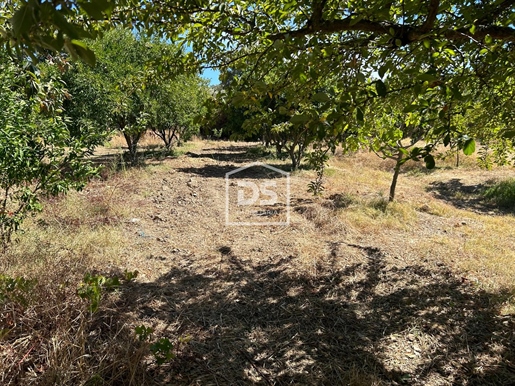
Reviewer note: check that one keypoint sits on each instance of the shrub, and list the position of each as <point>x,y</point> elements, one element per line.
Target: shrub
<point>502,193</point>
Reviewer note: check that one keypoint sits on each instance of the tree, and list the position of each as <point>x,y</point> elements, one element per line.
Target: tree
<point>112,94</point>
<point>411,133</point>
<point>419,46</point>
<point>130,91</point>
<point>173,106</point>
<point>39,154</point>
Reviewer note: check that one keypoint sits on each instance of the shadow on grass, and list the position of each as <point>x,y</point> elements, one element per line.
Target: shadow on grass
<point>469,196</point>
<point>147,154</point>
<point>266,323</point>
<point>234,154</point>
<point>219,171</point>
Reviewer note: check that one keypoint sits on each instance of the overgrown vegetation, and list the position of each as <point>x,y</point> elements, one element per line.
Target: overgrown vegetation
<point>502,193</point>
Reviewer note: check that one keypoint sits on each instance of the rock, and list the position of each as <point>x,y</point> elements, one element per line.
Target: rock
<point>192,183</point>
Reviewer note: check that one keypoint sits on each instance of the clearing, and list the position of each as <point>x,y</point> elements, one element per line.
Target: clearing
<point>418,292</point>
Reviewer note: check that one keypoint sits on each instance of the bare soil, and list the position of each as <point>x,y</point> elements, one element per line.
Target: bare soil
<point>351,292</point>
<point>314,303</point>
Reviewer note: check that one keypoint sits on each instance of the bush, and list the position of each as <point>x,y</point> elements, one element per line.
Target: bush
<point>38,153</point>
<point>502,193</point>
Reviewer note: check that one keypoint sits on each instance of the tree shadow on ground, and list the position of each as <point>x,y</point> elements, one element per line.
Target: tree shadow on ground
<point>264,322</point>
<point>120,160</point>
<point>234,154</point>
<point>253,172</point>
<point>467,196</point>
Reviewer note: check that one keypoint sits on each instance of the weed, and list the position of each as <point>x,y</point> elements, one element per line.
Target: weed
<point>93,285</point>
<point>16,289</point>
<point>502,193</point>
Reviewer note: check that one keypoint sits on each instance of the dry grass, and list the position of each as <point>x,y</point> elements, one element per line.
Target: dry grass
<point>353,292</point>
<point>473,241</point>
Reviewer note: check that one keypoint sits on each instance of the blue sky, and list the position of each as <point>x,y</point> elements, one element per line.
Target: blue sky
<point>212,76</point>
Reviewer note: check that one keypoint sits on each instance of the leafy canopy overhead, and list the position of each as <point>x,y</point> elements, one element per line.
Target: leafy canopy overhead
<point>443,52</point>
<point>240,26</point>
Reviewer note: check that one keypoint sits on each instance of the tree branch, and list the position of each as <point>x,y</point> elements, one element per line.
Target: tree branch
<point>407,34</point>
<point>431,16</point>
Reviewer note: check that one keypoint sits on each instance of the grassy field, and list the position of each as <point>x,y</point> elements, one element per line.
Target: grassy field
<point>352,292</point>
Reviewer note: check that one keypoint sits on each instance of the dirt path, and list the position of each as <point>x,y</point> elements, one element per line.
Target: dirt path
<point>316,302</point>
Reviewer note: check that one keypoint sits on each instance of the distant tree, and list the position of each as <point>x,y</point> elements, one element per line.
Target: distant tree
<point>130,91</point>
<point>173,107</point>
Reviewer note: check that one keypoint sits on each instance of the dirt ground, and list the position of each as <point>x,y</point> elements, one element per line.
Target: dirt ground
<point>327,300</point>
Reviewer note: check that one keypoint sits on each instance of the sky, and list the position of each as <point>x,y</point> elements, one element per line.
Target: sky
<point>212,76</point>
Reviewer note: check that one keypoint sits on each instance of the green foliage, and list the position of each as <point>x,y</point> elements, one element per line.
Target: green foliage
<point>162,350</point>
<point>315,71</point>
<point>143,333</point>
<point>93,287</point>
<point>15,289</point>
<point>39,154</point>
<point>131,91</point>
<point>502,193</point>
<point>317,159</point>
<point>174,106</point>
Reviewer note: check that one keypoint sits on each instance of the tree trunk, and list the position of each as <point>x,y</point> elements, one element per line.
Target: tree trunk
<point>396,171</point>
<point>132,145</point>
<point>457,157</point>
<point>295,161</point>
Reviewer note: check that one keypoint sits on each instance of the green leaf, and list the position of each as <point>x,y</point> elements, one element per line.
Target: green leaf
<point>488,39</point>
<point>283,110</point>
<point>356,20</point>
<point>278,44</point>
<point>469,147</point>
<point>299,119</point>
<point>382,70</point>
<point>447,140</point>
<point>64,26</point>
<point>22,20</point>
<point>430,161</point>
<point>427,43</point>
<point>411,108</point>
<point>321,97</point>
<point>381,88</point>
<point>427,77</point>
<point>92,10</point>
<point>510,134</point>
<point>472,29</point>
<point>84,52</point>
<point>359,114</point>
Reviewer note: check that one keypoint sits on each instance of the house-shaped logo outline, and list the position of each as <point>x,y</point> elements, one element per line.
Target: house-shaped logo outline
<point>257,164</point>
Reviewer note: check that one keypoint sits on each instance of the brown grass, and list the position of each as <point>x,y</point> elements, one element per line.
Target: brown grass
<point>354,291</point>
